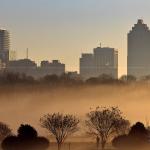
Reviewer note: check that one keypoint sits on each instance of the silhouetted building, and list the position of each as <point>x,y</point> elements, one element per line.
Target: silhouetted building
<point>138,61</point>
<point>2,65</point>
<point>4,46</point>
<point>50,68</point>
<point>26,66</point>
<point>87,67</point>
<point>29,67</point>
<point>103,61</point>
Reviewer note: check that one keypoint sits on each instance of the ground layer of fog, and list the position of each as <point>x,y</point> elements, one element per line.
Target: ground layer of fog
<point>75,146</point>
<point>27,104</point>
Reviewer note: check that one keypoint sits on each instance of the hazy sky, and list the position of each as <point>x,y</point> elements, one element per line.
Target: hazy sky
<point>63,29</point>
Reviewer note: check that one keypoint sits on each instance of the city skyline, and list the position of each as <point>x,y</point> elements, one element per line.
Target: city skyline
<point>27,51</point>
<point>71,29</point>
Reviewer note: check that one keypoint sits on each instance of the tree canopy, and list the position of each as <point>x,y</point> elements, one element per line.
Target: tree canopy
<point>106,123</point>
<point>60,126</point>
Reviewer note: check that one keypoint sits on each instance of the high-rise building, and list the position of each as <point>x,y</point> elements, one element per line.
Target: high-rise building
<point>4,46</point>
<point>87,65</point>
<point>102,61</point>
<point>138,59</point>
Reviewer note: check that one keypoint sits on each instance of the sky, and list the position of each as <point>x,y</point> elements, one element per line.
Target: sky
<point>63,29</point>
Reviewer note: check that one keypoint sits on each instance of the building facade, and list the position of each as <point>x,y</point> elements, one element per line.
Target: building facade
<point>22,66</point>
<point>29,67</point>
<point>87,65</point>
<point>102,61</point>
<point>138,59</point>
<point>50,68</point>
<point>4,46</point>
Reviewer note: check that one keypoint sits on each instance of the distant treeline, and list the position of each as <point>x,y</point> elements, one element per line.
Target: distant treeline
<point>68,80</point>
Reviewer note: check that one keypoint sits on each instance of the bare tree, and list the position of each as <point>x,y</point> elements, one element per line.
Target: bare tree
<point>106,123</point>
<point>94,135</point>
<point>4,131</point>
<point>122,127</point>
<point>60,126</point>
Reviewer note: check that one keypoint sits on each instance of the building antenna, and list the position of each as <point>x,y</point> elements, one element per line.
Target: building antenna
<point>27,53</point>
<point>100,44</point>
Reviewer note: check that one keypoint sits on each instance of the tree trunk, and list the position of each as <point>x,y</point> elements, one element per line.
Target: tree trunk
<point>59,146</point>
<point>103,143</point>
<point>97,142</point>
<point>69,146</point>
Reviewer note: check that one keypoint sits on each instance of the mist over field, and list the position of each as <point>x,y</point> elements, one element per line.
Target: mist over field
<point>26,104</point>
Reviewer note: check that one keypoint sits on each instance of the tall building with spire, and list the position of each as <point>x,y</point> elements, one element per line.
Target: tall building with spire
<point>138,59</point>
<point>4,46</point>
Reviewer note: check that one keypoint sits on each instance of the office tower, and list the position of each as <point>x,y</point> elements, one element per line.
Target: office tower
<point>138,59</point>
<point>52,68</point>
<point>4,46</point>
<point>102,61</point>
<point>87,65</point>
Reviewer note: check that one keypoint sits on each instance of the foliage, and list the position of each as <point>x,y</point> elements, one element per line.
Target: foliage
<point>137,138</point>
<point>4,130</point>
<point>128,78</point>
<point>59,125</point>
<point>27,139</point>
<point>14,78</point>
<point>27,132</point>
<point>67,80</point>
<point>106,123</point>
